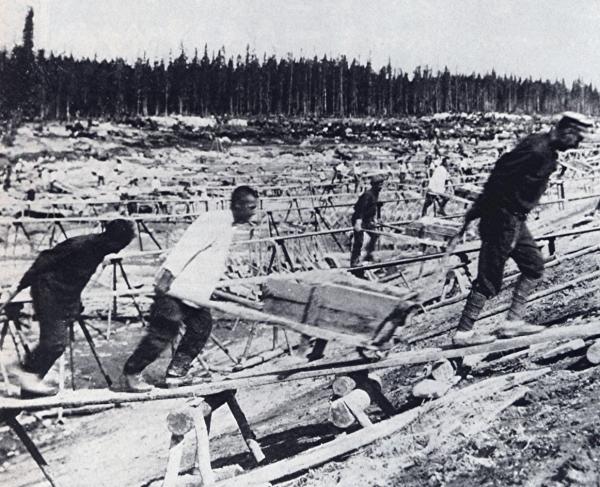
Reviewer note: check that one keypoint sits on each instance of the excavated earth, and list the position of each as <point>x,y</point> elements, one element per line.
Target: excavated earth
<point>550,437</point>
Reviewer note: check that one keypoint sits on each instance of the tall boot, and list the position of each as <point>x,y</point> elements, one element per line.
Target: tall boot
<point>473,306</point>
<point>515,325</point>
<point>465,336</point>
<point>522,290</point>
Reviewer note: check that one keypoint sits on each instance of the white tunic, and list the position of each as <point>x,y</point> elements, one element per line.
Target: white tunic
<point>199,258</point>
<point>437,183</point>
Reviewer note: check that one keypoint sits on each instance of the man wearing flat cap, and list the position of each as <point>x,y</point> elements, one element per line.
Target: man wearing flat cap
<point>513,189</point>
<point>364,218</point>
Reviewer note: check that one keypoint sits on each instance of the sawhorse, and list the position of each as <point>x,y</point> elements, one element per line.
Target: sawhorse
<point>117,264</point>
<point>196,417</point>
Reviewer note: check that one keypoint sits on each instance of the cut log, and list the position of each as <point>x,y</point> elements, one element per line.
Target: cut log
<point>359,413</point>
<point>431,389</point>
<point>346,443</point>
<point>342,411</point>
<point>181,421</point>
<point>481,366</point>
<point>557,351</point>
<point>103,396</point>
<point>443,371</point>
<point>593,353</point>
<point>472,361</point>
<point>343,385</point>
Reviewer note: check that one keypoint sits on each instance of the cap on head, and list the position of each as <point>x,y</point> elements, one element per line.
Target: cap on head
<point>377,179</point>
<point>120,231</point>
<point>575,120</point>
<point>242,192</point>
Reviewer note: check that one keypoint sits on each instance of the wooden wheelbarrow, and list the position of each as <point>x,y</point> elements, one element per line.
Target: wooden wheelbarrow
<point>370,312</point>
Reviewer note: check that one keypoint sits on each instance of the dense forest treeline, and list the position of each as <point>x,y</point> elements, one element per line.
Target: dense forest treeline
<point>48,86</point>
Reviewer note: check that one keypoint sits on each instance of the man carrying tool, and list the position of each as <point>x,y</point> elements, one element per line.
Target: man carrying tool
<point>436,188</point>
<point>513,189</point>
<point>364,218</point>
<point>57,278</point>
<point>189,275</point>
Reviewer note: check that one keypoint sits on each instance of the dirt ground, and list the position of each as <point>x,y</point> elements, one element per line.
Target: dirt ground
<point>548,438</point>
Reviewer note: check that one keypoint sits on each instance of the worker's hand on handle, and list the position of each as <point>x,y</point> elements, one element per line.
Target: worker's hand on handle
<point>358,226</point>
<point>163,282</point>
<point>9,296</point>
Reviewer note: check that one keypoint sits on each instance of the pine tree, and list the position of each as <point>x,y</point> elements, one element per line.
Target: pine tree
<point>22,79</point>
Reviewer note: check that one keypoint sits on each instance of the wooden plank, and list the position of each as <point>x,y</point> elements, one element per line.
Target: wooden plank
<point>174,461</point>
<point>347,443</point>
<point>341,308</point>
<point>251,314</point>
<point>357,301</point>
<point>202,460</point>
<point>287,290</point>
<point>288,309</point>
<point>85,397</point>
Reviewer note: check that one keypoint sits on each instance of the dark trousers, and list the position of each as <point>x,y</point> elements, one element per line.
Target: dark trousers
<point>357,244</point>
<point>166,317</point>
<point>55,313</point>
<point>505,235</point>
<point>431,199</point>
<point>54,336</point>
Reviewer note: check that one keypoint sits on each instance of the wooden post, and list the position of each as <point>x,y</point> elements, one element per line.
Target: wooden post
<point>174,461</point>
<point>203,449</point>
<point>32,449</point>
<point>343,412</point>
<point>247,433</point>
<point>372,384</point>
<point>343,385</point>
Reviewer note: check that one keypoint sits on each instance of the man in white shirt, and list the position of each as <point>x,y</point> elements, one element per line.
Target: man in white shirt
<point>189,275</point>
<point>436,188</point>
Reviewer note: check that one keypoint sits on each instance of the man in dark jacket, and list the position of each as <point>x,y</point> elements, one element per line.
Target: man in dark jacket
<point>57,277</point>
<point>513,189</point>
<point>364,218</point>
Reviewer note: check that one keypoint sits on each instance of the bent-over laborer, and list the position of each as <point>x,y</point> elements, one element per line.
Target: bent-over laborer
<point>513,189</point>
<point>190,273</point>
<point>57,277</point>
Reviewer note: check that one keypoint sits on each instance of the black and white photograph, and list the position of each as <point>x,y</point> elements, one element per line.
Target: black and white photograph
<point>300,243</point>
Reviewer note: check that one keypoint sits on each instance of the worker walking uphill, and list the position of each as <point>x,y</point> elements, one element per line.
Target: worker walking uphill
<point>57,278</point>
<point>364,218</point>
<point>513,189</point>
<point>189,274</point>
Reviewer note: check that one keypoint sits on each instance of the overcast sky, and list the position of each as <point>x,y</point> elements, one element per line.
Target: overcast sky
<point>542,38</point>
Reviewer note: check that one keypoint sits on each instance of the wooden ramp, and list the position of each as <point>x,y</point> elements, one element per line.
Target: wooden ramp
<point>84,397</point>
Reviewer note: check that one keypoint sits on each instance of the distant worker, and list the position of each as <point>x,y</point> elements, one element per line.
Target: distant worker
<point>155,185</point>
<point>57,277</point>
<point>436,188</point>
<point>341,172</point>
<point>356,173</point>
<point>189,274</point>
<point>513,189</point>
<point>364,218</point>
